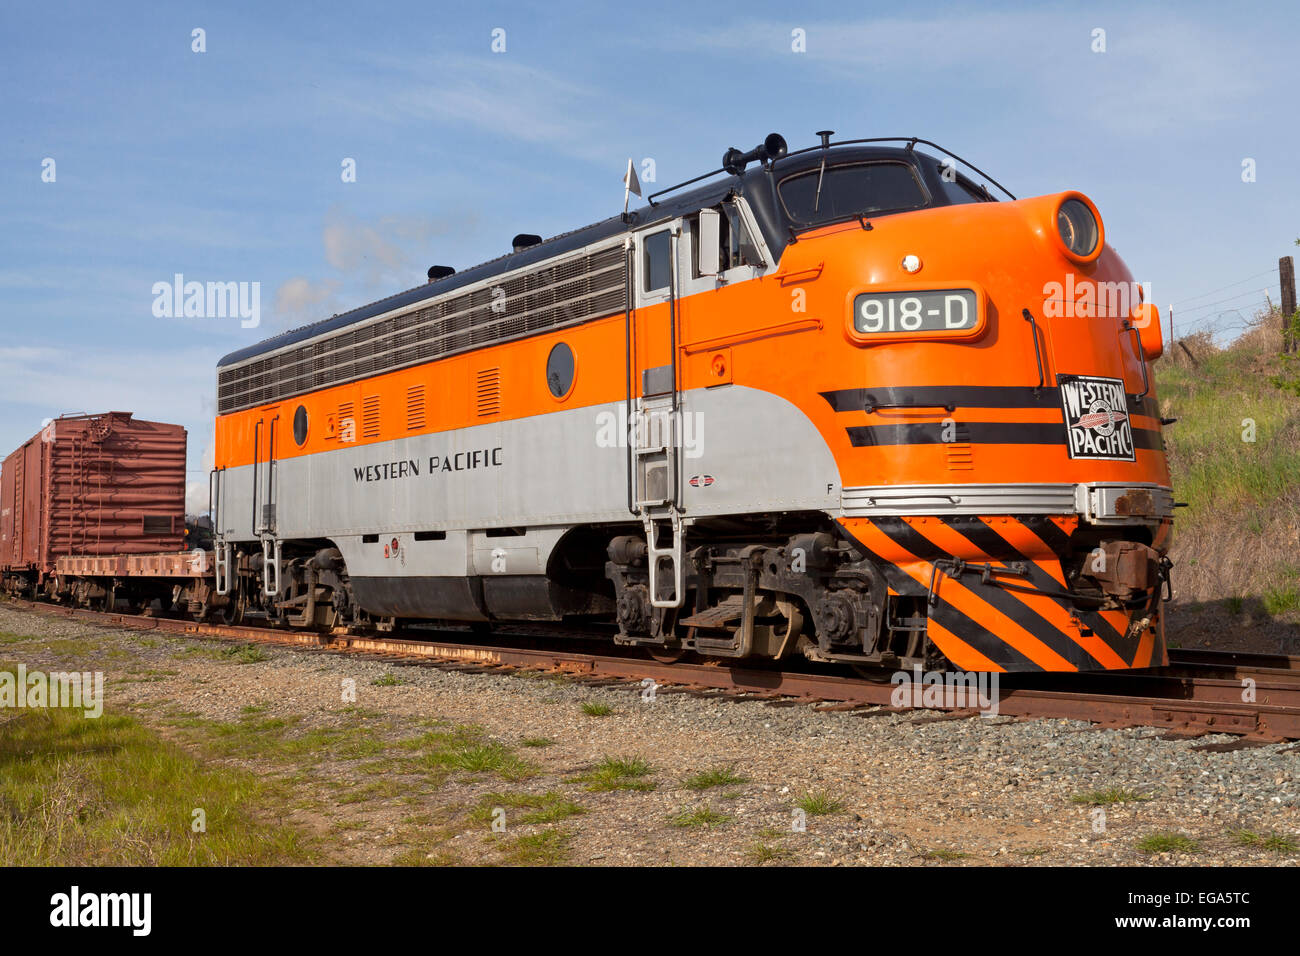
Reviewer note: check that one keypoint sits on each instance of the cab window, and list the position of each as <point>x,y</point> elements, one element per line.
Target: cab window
<point>736,245</point>
<point>655,250</point>
<point>957,189</point>
<point>851,189</point>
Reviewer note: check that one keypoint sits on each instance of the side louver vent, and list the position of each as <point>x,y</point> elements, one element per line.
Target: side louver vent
<point>487,392</point>
<point>415,409</point>
<point>347,423</point>
<point>370,416</point>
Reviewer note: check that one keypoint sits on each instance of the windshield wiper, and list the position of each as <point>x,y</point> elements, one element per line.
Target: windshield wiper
<point>847,217</point>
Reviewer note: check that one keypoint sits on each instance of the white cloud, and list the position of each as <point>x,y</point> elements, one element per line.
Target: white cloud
<point>493,92</point>
<point>1161,70</point>
<point>377,249</point>
<point>388,251</point>
<point>300,298</point>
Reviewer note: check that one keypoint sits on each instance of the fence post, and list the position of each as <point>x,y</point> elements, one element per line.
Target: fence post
<point>1286,275</point>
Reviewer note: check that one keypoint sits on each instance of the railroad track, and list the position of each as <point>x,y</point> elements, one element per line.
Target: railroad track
<point>1254,697</point>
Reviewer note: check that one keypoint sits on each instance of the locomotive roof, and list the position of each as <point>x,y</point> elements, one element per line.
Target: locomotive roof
<point>768,213</point>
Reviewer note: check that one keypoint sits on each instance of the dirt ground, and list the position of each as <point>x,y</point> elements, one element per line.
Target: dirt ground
<point>433,767</point>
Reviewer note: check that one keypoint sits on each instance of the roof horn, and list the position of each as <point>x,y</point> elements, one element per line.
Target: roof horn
<point>772,148</point>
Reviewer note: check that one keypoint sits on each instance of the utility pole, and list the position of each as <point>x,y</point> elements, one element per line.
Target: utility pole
<point>1286,276</point>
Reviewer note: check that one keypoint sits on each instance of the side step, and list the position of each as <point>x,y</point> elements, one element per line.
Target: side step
<point>720,615</point>
<point>270,567</point>
<point>671,556</point>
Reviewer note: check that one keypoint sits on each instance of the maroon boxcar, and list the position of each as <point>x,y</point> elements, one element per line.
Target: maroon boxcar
<point>91,485</point>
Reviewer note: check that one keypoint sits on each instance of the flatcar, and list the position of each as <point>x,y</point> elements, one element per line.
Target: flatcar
<point>840,403</point>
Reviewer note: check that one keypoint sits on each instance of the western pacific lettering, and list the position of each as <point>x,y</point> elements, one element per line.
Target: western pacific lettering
<point>413,468</point>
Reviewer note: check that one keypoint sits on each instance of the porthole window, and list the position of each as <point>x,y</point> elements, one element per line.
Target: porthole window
<point>300,425</point>
<point>559,370</point>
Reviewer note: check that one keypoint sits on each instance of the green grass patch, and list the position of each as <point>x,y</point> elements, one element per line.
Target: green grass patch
<point>1274,842</point>
<point>699,817</point>
<point>766,853</point>
<point>361,713</point>
<point>544,807</point>
<point>536,742</point>
<point>76,647</point>
<point>1167,843</point>
<point>1221,405</point>
<point>110,792</point>
<point>596,709</point>
<point>1280,600</point>
<point>464,749</point>
<point>245,654</point>
<point>547,848</point>
<point>618,773</point>
<point>819,803</point>
<point>706,779</point>
<point>426,858</point>
<point>378,790</point>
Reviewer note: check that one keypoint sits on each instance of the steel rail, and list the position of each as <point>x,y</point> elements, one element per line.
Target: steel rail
<point>1175,700</point>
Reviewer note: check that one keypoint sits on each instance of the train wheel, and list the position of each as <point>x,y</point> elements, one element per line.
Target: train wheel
<point>228,615</point>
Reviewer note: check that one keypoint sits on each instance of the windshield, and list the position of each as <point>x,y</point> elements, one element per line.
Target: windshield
<point>851,189</point>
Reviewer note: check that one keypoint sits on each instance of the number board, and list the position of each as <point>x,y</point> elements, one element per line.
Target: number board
<point>927,310</point>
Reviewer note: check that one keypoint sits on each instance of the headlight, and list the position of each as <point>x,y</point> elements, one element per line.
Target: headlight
<point>1078,228</point>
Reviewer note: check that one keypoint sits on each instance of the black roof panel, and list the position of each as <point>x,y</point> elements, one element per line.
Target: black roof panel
<point>754,183</point>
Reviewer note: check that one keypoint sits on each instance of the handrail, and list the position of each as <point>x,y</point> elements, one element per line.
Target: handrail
<point>257,450</point>
<point>1142,358</point>
<point>270,473</point>
<point>910,140</point>
<point>1038,355</point>
<point>629,340</point>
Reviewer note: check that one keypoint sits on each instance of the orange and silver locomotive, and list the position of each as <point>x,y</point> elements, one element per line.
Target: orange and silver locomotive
<point>837,403</point>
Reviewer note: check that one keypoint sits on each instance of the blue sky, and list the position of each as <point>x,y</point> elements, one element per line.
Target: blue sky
<point>225,165</point>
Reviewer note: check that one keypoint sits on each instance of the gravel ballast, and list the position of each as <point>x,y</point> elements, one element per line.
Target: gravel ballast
<point>981,791</point>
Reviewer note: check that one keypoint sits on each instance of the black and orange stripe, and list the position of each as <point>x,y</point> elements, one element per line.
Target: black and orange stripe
<point>974,621</point>
<point>952,397</point>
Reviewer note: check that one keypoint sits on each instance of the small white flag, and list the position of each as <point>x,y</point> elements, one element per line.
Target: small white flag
<point>630,185</point>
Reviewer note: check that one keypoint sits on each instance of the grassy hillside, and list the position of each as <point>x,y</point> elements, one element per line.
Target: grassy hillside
<point>1237,544</point>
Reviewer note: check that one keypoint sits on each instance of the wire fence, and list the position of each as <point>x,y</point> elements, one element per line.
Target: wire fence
<point>1225,317</point>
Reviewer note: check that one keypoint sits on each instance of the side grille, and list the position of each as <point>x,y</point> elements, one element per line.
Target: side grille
<point>347,424</point>
<point>550,296</point>
<point>487,392</point>
<point>415,417</point>
<point>370,416</point>
<point>960,452</point>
